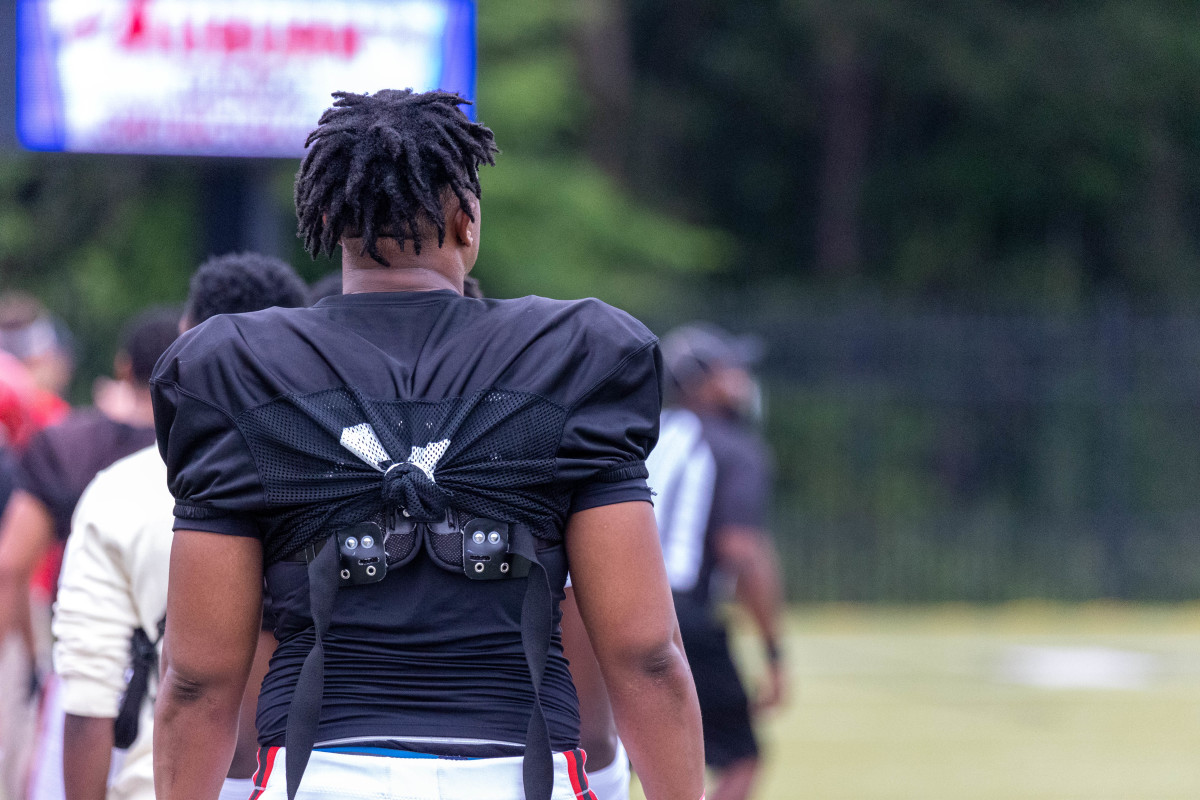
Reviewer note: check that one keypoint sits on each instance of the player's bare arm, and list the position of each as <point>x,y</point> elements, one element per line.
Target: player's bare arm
<point>89,741</point>
<point>625,601</point>
<point>213,614</point>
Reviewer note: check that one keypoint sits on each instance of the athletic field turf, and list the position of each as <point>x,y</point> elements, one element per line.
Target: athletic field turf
<point>1085,702</point>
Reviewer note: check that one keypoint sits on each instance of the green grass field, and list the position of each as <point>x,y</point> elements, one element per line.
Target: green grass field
<point>1026,701</point>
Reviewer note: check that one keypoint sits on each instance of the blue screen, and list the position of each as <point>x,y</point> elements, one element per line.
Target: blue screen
<point>222,77</point>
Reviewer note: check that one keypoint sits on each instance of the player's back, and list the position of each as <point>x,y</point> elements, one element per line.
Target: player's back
<point>508,409</point>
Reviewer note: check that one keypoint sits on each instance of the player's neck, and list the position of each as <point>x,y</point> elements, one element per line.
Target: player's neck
<point>432,269</point>
<point>405,279</point>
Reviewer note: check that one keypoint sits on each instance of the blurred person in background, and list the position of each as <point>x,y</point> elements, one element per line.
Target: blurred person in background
<point>52,473</point>
<point>113,588</point>
<point>41,342</point>
<point>25,407</point>
<point>711,472</point>
<point>36,362</point>
<point>35,367</point>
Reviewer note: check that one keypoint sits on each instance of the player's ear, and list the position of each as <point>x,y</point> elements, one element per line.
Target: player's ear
<point>462,227</point>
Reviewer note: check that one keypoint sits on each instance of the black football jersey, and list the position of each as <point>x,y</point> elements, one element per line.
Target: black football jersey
<point>286,425</point>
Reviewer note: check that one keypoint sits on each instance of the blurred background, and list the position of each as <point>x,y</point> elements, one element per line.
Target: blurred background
<point>968,237</point>
<point>967,234</point>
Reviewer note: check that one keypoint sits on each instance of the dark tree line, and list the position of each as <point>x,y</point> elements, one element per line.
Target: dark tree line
<point>1028,152</point>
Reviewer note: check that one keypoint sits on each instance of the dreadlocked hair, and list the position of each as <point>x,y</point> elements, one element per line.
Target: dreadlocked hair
<point>379,165</point>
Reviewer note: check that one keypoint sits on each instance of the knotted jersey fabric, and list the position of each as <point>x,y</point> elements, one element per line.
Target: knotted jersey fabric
<point>288,424</point>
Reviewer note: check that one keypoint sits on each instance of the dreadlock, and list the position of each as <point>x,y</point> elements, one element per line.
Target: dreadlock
<point>378,165</point>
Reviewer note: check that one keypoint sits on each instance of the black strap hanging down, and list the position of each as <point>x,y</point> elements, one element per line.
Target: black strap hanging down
<point>537,621</point>
<point>305,712</point>
<point>143,662</point>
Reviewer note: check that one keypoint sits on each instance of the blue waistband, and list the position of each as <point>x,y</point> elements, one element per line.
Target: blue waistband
<point>389,752</point>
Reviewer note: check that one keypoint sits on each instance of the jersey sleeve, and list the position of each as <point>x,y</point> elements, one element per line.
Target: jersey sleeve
<point>210,470</point>
<point>597,493</point>
<point>610,431</point>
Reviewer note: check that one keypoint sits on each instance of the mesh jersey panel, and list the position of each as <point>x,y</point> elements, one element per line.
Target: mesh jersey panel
<point>447,548</point>
<point>491,453</point>
<point>400,544</point>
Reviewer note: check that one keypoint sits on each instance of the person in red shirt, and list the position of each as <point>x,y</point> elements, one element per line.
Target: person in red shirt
<point>40,341</point>
<point>35,365</point>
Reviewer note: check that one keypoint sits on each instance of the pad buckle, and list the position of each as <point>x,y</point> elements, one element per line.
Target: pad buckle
<point>361,554</point>
<point>485,551</point>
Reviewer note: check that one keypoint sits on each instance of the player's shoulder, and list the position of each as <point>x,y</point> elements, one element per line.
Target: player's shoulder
<point>204,342</point>
<point>573,347</point>
<point>586,312</point>
<point>221,336</point>
<point>218,359</point>
<point>588,324</point>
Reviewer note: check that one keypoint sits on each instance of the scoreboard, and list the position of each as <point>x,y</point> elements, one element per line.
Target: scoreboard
<point>222,77</point>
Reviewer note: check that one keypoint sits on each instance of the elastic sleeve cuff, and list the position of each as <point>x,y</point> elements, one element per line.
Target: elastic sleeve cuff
<point>88,697</point>
<point>623,472</point>
<point>604,493</point>
<point>187,520</point>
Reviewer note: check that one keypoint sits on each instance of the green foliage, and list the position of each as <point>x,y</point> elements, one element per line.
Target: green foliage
<point>555,223</point>
<point>96,238</point>
<point>1033,152</point>
<point>562,228</point>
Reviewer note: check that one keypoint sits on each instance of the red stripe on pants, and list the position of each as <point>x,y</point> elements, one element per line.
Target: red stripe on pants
<point>263,773</point>
<point>578,777</point>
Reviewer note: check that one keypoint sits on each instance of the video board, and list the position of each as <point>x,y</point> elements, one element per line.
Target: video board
<point>222,77</point>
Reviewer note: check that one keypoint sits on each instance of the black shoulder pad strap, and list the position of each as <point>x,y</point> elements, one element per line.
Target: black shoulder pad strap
<point>536,623</point>
<point>304,715</point>
<point>537,619</point>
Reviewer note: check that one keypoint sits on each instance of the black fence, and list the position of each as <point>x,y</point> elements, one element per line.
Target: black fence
<point>941,455</point>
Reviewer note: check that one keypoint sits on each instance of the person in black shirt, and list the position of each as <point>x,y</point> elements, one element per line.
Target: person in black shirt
<point>413,470</point>
<point>712,477</point>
